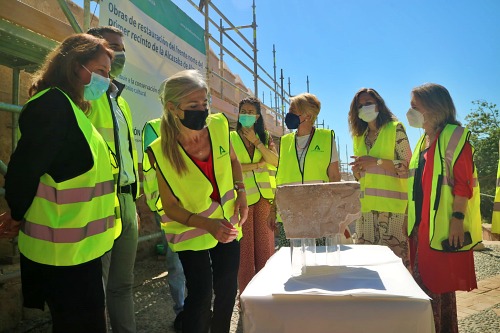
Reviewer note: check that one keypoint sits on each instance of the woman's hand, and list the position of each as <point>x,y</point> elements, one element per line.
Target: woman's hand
<point>456,236</point>
<point>361,163</point>
<point>241,208</point>
<point>9,228</point>
<point>271,218</point>
<point>261,164</point>
<point>249,133</point>
<point>223,231</point>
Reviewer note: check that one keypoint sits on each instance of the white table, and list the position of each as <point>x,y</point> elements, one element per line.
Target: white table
<point>373,292</point>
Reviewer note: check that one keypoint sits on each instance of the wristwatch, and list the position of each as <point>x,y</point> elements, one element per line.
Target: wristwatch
<point>458,215</point>
<point>379,162</point>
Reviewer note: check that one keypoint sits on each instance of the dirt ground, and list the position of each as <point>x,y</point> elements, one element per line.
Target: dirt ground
<point>153,303</point>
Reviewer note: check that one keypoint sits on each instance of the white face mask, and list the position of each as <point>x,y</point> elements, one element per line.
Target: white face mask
<point>368,113</point>
<point>415,118</point>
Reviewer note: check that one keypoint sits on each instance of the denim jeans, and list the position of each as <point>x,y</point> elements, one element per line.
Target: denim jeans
<point>118,270</point>
<point>176,279</point>
<point>208,272</point>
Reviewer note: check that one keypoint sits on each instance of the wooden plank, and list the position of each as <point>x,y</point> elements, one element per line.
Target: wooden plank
<point>35,20</point>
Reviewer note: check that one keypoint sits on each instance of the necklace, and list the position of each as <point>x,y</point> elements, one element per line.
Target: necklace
<point>304,149</point>
<point>246,142</point>
<point>371,138</point>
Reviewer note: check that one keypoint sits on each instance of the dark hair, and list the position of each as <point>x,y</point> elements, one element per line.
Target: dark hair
<point>60,66</point>
<point>99,31</point>
<point>357,126</point>
<point>259,127</point>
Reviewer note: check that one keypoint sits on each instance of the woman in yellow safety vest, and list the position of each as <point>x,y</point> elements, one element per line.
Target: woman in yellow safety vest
<point>256,152</point>
<point>201,190</point>
<point>308,155</point>
<point>444,221</point>
<point>60,188</point>
<point>381,157</point>
<point>495,219</point>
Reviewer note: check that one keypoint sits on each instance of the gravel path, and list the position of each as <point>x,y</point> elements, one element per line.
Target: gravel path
<point>487,263</point>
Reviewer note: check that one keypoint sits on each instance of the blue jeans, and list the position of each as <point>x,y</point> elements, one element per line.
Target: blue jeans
<point>176,279</point>
<point>118,270</point>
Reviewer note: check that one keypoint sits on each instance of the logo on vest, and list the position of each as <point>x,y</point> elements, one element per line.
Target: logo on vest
<point>317,149</point>
<point>222,152</point>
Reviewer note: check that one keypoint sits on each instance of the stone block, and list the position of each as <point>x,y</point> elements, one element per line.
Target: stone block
<point>318,210</point>
<point>488,235</point>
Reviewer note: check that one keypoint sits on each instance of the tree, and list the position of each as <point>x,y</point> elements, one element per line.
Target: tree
<point>484,124</point>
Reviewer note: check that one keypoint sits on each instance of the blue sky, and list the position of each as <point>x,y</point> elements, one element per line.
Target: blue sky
<point>389,45</point>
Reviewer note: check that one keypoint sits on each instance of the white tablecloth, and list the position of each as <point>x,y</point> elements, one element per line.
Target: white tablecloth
<point>370,292</point>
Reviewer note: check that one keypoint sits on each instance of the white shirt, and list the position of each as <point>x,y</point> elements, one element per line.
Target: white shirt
<point>127,175</point>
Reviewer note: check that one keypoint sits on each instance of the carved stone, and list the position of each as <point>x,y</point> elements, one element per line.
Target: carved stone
<point>318,210</point>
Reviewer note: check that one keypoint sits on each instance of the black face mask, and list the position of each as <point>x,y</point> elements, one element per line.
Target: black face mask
<point>194,119</point>
<point>292,121</point>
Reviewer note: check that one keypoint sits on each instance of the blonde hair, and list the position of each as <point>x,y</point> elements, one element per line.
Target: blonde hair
<point>438,103</point>
<point>307,103</point>
<point>173,90</point>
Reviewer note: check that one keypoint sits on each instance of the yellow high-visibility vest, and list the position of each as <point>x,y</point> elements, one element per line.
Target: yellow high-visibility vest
<point>495,220</point>
<point>316,161</point>
<point>381,190</point>
<point>102,117</point>
<point>448,148</point>
<point>150,184</point>
<point>193,189</point>
<point>72,222</point>
<point>260,182</point>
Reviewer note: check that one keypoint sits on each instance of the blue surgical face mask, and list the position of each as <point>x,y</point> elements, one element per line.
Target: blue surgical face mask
<point>117,64</point>
<point>292,121</point>
<point>247,120</point>
<point>96,87</point>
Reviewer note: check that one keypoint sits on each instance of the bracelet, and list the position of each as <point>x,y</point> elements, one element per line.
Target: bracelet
<point>187,220</point>
<point>238,182</point>
<point>240,187</point>
<point>458,215</point>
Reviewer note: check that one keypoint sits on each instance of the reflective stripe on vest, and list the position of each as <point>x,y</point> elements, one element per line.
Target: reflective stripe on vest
<point>316,161</point>
<point>193,232</point>
<point>72,222</point>
<point>381,190</point>
<point>448,148</point>
<point>74,195</point>
<point>193,189</point>
<point>258,182</point>
<point>67,235</point>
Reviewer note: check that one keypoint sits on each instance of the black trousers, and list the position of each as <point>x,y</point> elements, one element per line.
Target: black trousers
<point>209,272</point>
<point>74,294</point>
